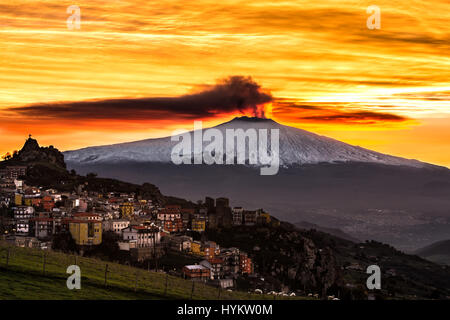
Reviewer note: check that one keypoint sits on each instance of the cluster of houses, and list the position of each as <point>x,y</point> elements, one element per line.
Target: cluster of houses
<point>143,228</point>
<point>221,266</point>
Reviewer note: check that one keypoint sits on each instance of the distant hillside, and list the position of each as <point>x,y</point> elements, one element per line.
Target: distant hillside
<point>438,252</point>
<point>333,231</point>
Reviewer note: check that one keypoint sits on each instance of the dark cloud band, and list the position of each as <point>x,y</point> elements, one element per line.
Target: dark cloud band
<point>229,95</point>
<point>233,94</point>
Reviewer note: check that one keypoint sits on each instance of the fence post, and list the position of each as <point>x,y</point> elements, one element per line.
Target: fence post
<point>193,287</point>
<point>106,274</point>
<point>136,282</point>
<point>167,279</point>
<point>7,256</point>
<point>43,264</point>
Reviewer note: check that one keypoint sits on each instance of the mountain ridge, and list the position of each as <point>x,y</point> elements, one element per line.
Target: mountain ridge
<point>438,252</point>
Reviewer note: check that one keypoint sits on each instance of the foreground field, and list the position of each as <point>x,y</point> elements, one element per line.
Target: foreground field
<point>22,277</point>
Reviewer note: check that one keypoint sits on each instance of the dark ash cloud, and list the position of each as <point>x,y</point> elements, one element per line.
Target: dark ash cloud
<point>331,112</point>
<point>356,117</point>
<point>233,94</point>
<point>283,105</point>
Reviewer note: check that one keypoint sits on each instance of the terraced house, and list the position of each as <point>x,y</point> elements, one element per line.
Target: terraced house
<point>86,232</point>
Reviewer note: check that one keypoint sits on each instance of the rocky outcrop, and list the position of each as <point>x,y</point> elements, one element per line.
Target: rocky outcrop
<point>315,269</point>
<point>310,268</point>
<point>31,152</point>
<point>287,259</point>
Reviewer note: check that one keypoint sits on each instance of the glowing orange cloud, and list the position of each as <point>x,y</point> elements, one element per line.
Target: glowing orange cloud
<point>363,83</point>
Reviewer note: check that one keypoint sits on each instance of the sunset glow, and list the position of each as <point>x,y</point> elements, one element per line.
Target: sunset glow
<point>386,90</point>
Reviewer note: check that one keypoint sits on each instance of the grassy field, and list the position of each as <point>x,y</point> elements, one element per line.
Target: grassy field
<point>22,277</point>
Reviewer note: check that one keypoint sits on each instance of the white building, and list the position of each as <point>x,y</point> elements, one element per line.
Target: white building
<point>23,212</point>
<point>166,215</point>
<point>142,235</point>
<point>22,216</point>
<point>18,184</point>
<point>115,225</point>
<point>237,215</point>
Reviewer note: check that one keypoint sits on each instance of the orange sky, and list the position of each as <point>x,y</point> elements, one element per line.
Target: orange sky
<point>387,89</point>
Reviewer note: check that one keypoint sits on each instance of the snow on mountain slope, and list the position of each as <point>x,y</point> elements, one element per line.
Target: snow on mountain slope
<point>297,146</point>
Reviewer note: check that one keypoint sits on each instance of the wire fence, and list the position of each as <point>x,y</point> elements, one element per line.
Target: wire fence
<point>99,273</point>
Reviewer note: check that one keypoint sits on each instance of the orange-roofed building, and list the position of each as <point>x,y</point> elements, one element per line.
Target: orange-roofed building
<point>245,264</point>
<point>188,210</point>
<point>173,207</point>
<point>173,226</point>
<point>210,249</point>
<point>114,200</point>
<point>196,272</point>
<point>47,203</point>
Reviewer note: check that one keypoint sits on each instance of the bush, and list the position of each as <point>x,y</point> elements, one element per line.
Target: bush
<point>65,243</point>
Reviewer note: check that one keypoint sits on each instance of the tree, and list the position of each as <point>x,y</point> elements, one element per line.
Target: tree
<point>108,249</point>
<point>64,242</point>
<point>7,156</point>
<point>91,175</point>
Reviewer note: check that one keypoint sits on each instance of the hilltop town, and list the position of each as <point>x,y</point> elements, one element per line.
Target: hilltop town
<point>144,227</point>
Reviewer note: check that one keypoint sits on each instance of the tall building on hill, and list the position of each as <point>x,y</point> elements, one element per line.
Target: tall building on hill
<point>86,232</point>
<point>238,213</point>
<point>222,202</point>
<point>209,203</point>
<point>221,215</point>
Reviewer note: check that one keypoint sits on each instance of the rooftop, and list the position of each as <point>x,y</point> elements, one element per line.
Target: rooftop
<point>85,214</point>
<point>195,266</point>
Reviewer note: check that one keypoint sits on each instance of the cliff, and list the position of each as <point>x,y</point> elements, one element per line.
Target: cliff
<point>31,153</point>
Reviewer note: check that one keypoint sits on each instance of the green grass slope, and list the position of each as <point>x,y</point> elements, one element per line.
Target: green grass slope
<point>23,278</point>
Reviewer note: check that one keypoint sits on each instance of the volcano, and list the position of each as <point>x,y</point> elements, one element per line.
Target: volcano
<point>297,147</point>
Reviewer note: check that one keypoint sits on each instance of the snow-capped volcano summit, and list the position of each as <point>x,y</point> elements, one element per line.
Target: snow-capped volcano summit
<point>296,146</point>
